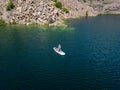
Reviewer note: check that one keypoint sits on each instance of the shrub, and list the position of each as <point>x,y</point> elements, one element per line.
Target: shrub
<point>86,13</point>
<point>10,6</point>
<point>2,22</point>
<point>58,5</point>
<point>84,0</point>
<point>54,0</point>
<point>66,10</point>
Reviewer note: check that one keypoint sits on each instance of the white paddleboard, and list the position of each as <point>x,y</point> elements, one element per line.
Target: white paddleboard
<point>59,52</point>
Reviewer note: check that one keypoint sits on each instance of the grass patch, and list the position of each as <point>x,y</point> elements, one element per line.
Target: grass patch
<point>107,2</point>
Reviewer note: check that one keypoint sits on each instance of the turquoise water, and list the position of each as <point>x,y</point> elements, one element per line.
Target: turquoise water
<point>92,60</point>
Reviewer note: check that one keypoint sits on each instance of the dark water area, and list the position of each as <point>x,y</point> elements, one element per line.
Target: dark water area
<point>92,60</point>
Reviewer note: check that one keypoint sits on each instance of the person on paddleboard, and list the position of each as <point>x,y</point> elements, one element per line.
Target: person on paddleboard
<point>59,48</point>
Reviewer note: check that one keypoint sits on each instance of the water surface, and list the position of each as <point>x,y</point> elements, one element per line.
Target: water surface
<point>92,60</point>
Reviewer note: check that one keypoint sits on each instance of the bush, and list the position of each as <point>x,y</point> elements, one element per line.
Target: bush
<point>2,22</point>
<point>66,10</point>
<point>10,6</point>
<point>54,0</point>
<point>58,5</point>
<point>86,13</point>
<point>84,0</point>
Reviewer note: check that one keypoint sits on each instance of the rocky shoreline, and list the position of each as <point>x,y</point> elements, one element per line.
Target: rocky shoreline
<point>45,12</point>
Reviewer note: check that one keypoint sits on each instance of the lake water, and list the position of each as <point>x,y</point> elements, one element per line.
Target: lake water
<point>92,60</point>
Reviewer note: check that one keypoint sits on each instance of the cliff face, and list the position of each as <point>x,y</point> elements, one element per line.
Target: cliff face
<point>45,12</point>
<point>92,7</point>
<point>112,7</point>
<point>32,11</point>
<point>78,8</point>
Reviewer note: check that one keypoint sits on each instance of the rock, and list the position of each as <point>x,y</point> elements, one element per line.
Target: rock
<point>25,8</point>
<point>55,11</point>
<point>112,7</point>
<point>20,1</point>
<point>19,9</point>
<point>98,6</point>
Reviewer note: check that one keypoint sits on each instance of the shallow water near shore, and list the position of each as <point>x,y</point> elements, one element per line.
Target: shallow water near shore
<point>92,60</point>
